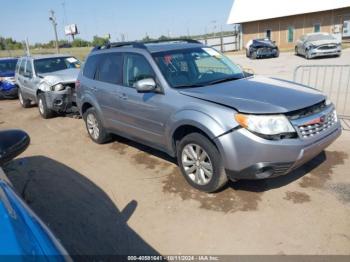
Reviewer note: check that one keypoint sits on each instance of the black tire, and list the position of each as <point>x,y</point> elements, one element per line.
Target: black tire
<point>254,55</point>
<point>296,51</point>
<point>44,111</point>
<point>307,55</point>
<point>103,135</point>
<point>25,103</point>
<point>219,178</point>
<point>247,53</point>
<point>277,53</point>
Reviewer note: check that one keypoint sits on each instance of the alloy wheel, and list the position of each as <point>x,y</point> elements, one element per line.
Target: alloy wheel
<point>92,126</point>
<point>197,164</point>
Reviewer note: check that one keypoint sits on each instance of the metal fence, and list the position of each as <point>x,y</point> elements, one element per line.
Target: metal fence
<point>224,43</point>
<point>332,80</point>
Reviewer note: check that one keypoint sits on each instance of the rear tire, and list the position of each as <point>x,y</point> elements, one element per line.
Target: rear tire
<point>25,103</point>
<point>95,129</point>
<point>44,111</point>
<point>254,55</point>
<point>201,163</point>
<point>296,51</point>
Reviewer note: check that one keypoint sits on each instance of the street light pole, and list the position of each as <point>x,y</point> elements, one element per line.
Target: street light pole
<point>52,18</point>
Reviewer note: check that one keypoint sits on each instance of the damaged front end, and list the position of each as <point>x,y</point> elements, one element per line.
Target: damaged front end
<point>61,98</point>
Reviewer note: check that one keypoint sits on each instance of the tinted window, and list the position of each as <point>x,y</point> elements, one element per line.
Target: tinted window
<point>7,66</point>
<point>110,68</point>
<point>136,67</point>
<point>52,64</point>
<point>290,34</point>
<point>90,67</point>
<point>22,67</point>
<point>29,68</point>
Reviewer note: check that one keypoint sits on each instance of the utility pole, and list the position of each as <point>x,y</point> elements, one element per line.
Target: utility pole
<point>52,18</point>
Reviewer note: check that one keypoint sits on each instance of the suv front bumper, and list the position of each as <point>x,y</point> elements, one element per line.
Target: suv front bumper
<point>247,156</point>
<point>61,101</point>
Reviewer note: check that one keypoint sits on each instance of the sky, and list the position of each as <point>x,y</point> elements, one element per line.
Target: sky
<point>133,18</point>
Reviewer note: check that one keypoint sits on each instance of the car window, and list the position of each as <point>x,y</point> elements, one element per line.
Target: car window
<point>197,66</point>
<point>109,68</point>
<point>90,67</point>
<point>29,68</point>
<point>53,64</point>
<point>22,66</point>
<point>7,66</point>
<point>136,67</point>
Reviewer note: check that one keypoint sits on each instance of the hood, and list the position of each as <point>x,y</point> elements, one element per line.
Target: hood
<point>62,76</point>
<point>258,95</point>
<point>323,42</point>
<point>262,43</point>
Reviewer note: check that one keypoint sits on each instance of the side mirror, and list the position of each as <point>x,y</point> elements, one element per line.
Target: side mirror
<point>145,85</point>
<point>12,143</point>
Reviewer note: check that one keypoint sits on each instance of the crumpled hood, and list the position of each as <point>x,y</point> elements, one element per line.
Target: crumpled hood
<point>323,42</point>
<point>62,76</point>
<point>258,95</point>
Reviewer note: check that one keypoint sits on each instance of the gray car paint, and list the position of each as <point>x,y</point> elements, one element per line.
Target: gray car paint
<point>153,118</point>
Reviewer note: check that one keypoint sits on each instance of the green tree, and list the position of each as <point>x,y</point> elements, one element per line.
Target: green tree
<point>99,41</point>
<point>78,42</point>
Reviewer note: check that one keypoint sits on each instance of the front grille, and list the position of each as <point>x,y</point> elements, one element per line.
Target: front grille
<point>318,125</point>
<point>327,47</point>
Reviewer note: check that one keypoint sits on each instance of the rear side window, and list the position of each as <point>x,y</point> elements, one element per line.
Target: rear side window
<point>109,68</point>
<point>29,69</point>
<point>90,67</point>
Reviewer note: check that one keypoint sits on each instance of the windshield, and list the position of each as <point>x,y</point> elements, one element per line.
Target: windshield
<point>196,67</point>
<point>320,37</point>
<point>48,65</point>
<point>7,66</point>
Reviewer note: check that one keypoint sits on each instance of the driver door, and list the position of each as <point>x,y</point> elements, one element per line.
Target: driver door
<point>142,115</point>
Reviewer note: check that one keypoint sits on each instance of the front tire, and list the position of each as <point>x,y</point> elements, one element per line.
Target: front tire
<point>44,110</point>
<point>94,127</point>
<point>201,163</point>
<point>25,103</point>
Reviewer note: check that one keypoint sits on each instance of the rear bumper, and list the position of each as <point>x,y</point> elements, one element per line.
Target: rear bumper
<point>247,156</point>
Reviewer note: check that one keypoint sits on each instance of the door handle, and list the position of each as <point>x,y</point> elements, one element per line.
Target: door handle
<point>94,88</point>
<point>123,96</point>
<point>25,81</point>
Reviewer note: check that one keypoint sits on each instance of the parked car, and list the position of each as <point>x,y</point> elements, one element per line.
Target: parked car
<point>317,45</point>
<point>260,48</point>
<point>48,81</point>
<point>8,87</point>
<point>23,234</point>
<point>195,104</point>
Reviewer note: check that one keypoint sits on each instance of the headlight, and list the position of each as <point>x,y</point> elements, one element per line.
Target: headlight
<point>58,87</point>
<point>268,125</point>
<point>328,102</point>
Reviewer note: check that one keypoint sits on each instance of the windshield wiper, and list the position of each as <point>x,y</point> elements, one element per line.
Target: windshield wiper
<point>227,79</point>
<point>189,86</point>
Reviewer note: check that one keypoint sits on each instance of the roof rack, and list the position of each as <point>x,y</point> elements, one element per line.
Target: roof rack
<point>142,45</point>
<point>191,41</point>
<point>120,44</point>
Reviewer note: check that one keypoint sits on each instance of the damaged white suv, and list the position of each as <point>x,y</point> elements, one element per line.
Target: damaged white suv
<point>48,81</point>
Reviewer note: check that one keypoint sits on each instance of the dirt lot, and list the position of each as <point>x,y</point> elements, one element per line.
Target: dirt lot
<point>125,198</point>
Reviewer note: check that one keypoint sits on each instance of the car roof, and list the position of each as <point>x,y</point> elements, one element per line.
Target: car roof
<point>162,47</point>
<point>46,56</point>
<point>8,58</point>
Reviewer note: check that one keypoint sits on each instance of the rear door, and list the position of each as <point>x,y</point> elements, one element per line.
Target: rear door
<point>106,87</point>
<point>29,78</point>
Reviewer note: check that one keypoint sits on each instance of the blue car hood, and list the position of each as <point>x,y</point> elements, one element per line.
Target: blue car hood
<point>7,74</point>
<point>258,95</point>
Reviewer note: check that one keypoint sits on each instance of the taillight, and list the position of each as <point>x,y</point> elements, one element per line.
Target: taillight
<point>77,84</point>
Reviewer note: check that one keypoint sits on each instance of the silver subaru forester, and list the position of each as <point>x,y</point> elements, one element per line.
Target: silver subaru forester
<point>193,103</point>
